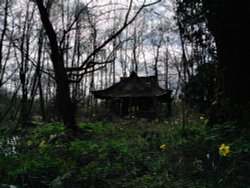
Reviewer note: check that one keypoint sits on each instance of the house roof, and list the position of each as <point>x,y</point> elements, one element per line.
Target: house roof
<point>133,86</point>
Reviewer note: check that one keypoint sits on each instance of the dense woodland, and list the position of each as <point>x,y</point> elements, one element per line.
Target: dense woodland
<point>54,54</point>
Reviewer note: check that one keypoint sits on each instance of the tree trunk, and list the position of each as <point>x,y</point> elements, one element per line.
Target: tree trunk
<point>24,47</point>
<point>3,32</point>
<point>229,24</point>
<point>63,100</point>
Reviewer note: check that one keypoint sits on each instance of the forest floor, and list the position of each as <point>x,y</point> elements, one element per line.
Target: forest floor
<point>132,153</point>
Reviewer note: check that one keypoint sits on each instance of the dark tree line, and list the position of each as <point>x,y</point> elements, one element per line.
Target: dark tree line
<point>203,23</point>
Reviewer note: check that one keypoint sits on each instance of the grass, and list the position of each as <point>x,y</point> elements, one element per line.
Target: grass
<point>133,153</point>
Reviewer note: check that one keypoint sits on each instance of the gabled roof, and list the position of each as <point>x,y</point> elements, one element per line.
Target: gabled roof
<point>132,86</point>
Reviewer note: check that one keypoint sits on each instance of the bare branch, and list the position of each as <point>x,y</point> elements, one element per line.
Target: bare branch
<point>87,71</point>
<point>73,23</point>
<point>117,33</point>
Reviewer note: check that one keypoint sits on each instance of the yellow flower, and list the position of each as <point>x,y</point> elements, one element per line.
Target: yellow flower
<point>29,143</point>
<point>202,118</point>
<point>52,136</point>
<point>224,149</point>
<point>42,143</point>
<point>163,147</point>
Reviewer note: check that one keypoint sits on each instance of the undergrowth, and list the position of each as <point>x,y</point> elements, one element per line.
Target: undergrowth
<point>133,153</point>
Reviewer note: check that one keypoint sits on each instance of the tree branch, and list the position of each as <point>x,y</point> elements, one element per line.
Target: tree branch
<point>117,33</point>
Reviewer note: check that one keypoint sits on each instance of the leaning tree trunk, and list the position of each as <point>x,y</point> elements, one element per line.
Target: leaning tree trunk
<point>63,100</point>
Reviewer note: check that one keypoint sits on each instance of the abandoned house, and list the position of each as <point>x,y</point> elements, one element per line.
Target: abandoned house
<point>141,96</point>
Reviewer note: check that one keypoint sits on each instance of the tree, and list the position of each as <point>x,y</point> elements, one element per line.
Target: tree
<point>228,24</point>
<point>65,105</point>
<point>200,89</point>
<point>230,27</point>
<point>63,80</point>
<point>198,50</point>
<point>3,32</point>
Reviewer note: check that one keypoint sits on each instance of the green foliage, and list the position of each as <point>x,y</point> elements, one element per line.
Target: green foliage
<point>200,89</point>
<point>5,101</point>
<point>137,154</point>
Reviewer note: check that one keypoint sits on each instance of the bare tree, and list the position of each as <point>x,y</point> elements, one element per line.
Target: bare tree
<point>3,31</point>
<point>63,80</point>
